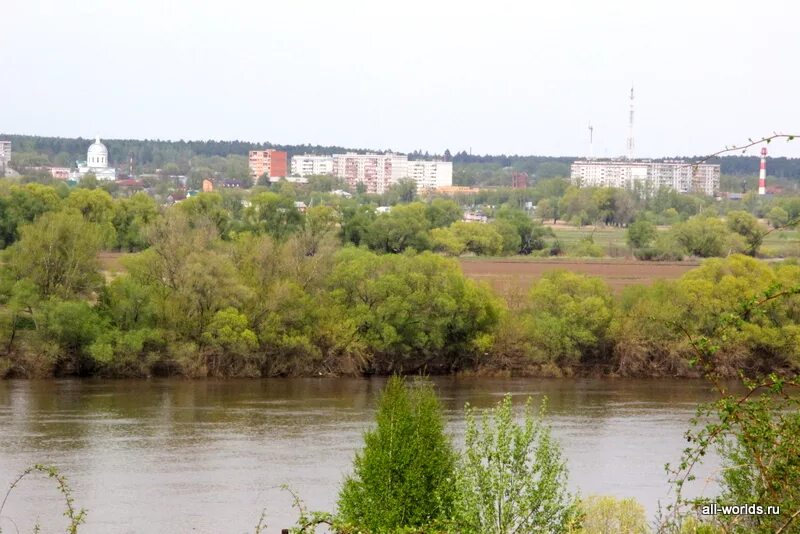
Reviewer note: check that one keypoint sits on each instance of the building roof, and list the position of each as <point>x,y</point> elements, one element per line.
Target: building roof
<point>97,149</point>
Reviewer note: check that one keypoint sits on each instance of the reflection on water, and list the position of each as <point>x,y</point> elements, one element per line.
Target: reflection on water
<point>208,456</point>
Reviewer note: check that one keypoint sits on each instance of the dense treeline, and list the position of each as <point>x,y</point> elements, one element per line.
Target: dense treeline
<point>223,286</point>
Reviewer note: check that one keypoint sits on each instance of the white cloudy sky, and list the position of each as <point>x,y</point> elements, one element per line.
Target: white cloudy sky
<point>521,77</point>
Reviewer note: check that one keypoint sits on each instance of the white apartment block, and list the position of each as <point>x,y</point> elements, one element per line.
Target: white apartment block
<point>310,165</point>
<point>377,172</point>
<point>430,175</point>
<point>647,176</point>
<point>5,153</point>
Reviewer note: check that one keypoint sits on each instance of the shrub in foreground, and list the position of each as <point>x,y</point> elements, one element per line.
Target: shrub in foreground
<point>404,476</point>
<point>512,477</point>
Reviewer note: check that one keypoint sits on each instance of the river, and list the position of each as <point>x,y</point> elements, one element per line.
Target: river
<point>208,456</point>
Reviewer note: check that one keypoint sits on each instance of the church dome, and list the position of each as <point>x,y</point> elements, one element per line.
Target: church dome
<point>97,155</point>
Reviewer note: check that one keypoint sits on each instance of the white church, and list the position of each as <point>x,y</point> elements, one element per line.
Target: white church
<point>96,163</point>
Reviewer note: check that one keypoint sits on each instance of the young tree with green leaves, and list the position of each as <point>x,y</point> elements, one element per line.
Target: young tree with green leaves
<point>755,428</point>
<point>58,253</point>
<point>405,475</point>
<point>512,477</point>
<point>640,234</point>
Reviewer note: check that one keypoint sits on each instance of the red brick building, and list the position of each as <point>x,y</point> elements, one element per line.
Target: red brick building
<point>271,162</point>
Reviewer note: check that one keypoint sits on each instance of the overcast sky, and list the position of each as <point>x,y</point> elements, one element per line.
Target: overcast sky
<point>521,77</point>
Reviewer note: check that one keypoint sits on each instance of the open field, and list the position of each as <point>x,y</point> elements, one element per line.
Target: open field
<point>510,273</point>
<point>111,262</point>
<point>610,239</point>
<point>777,244</point>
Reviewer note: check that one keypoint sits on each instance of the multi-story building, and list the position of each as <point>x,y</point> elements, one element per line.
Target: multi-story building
<point>647,176</point>
<point>430,175</point>
<point>377,172</point>
<point>5,154</point>
<point>270,162</point>
<point>311,165</point>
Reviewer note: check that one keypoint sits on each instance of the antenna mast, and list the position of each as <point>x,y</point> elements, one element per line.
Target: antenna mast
<point>631,145</point>
<point>591,140</point>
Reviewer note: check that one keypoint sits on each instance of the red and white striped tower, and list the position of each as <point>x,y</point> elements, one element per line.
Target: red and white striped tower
<point>762,173</point>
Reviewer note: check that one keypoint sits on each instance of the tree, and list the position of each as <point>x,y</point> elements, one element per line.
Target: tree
<point>97,207</point>
<point>404,191</point>
<point>606,515</point>
<point>704,237</point>
<point>23,205</point>
<point>547,208</point>
<point>509,234</point>
<point>480,239</point>
<point>273,214</point>
<point>640,234</point>
<point>405,226</point>
<point>531,236</point>
<point>404,476</point>
<point>441,213</point>
<point>58,253</point>
<point>579,206</point>
<point>412,311</point>
<point>207,207</point>
<point>88,181</point>
<point>446,241</point>
<point>571,315</point>
<point>356,221</point>
<point>132,216</point>
<point>74,326</point>
<point>512,477</point>
<point>189,277</point>
<point>749,228</point>
<point>755,427</point>
<point>229,341</point>
<point>778,217</point>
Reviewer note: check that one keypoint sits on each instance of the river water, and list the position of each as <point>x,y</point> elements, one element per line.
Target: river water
<point>179,456</point>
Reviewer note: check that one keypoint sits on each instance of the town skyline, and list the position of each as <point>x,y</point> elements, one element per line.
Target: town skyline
<point>514,79</point>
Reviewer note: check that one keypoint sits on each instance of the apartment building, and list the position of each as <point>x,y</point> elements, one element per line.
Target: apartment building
<point>311,165</point>
<point>647,176</point>
<point>378,172</point>
<point>5,154</point>
<point>430,175</point>
<point>270,162</point>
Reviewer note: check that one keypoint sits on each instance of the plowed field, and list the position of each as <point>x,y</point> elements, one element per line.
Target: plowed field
<point>503,274</point>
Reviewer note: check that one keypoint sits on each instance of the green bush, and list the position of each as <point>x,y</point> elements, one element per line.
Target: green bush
<point>404,476</point>
<point>586,248</point>
<point>512,477</point>
<point>603,514</point>
<point>640,234</point>
<point>570,316</point>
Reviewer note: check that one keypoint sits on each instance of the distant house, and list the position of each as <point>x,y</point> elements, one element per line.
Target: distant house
<point>130,183</point>
<point>300,206</point>
<point>475,217</point>
<point>60,173</point>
